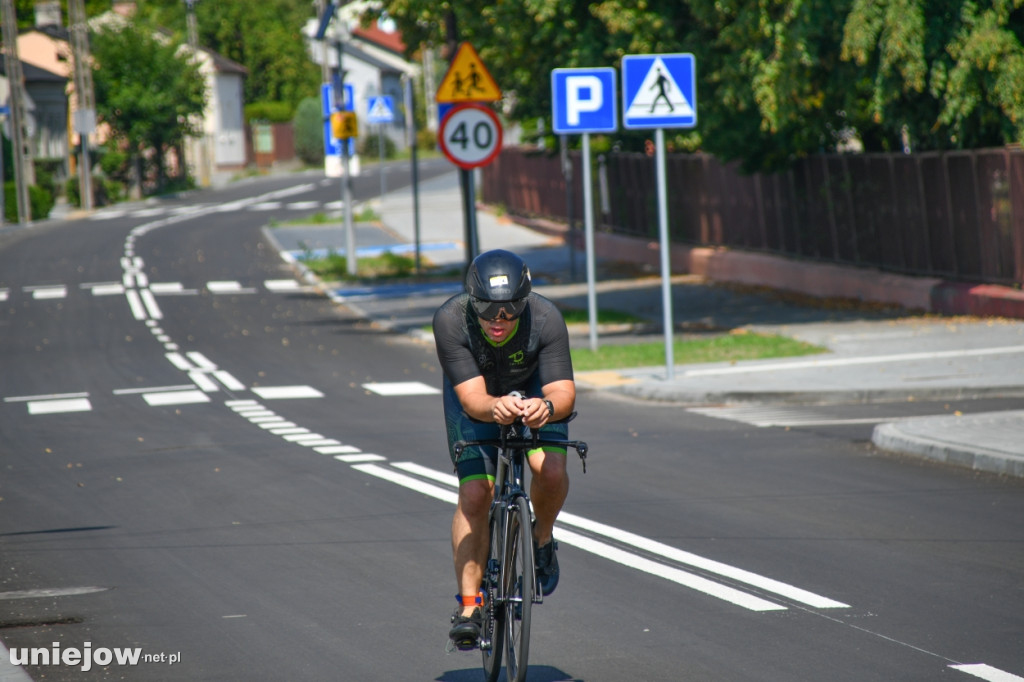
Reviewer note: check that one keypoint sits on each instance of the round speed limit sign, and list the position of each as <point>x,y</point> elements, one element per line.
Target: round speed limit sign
<point>470,135</point>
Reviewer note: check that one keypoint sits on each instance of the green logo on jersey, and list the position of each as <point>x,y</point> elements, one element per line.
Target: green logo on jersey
<point>517,357</point>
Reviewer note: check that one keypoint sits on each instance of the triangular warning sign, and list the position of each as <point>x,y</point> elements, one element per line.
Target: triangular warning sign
<point>468,80</point>
<point>659,96</point>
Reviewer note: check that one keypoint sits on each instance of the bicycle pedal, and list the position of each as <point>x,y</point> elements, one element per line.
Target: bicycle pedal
<point>467,644</point>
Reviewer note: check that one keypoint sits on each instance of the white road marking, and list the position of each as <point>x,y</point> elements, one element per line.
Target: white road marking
<point>658,548</point>
<point>987,672</point>
<point>859,360</point>
<point>602,549</point>
<point>304,438</point>
<point>135,303</point>
<point>303,205</point>
<point>113,288</point>
<point>230,382</point>
<point>282,285</point>
<point>169,288</point>
<point>179,361</point>
<point>337,449</point>
<point>286,392</point>
<point>48,396</point>
<point>151,305</point>
<point>201,361</point>
<point>355,459</point>
<point>175,398</point>
<point>765,416</point>
<point>40,293</point>
<point>3,294</point>
<point>277,424</point>
<point>153,389</point>
<point>204,382</point>
<point>401,388</point>
<point>265,206</point>
<point>281,430</point>
<point>224,287</point>
<point>55,406</point>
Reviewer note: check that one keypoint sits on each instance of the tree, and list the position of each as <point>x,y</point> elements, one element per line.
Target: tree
<point>263,36</point>
<point>945,74</point>
<point>148,90</point>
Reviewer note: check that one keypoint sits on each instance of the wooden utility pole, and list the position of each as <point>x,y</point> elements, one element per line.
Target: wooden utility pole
<point>85,112</point>
<point>24,171</point>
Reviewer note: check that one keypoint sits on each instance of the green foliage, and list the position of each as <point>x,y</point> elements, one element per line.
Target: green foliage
<point>262,36</point>
<point>40,201</point>
<point>777,79</point>
<point>308,126</point>
<point>148,90</point>
<point>370,147</point>
<point>271,112</point>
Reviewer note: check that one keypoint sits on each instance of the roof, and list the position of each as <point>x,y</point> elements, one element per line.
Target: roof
<point>391,41</point>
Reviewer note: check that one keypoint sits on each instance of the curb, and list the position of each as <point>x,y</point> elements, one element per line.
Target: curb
<point>891,437</point>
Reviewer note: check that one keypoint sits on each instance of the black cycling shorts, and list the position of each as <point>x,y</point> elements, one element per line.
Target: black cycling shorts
<point>481,462</point>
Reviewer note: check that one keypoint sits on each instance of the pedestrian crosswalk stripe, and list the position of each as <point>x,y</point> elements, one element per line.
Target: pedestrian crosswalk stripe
<point>55,406</point>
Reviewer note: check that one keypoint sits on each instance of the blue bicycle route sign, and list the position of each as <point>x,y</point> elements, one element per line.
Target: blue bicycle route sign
<point>659,91</point>
<point>583,100</point>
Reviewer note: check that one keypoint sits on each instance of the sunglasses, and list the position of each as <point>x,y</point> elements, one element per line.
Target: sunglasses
<point>498,310</point>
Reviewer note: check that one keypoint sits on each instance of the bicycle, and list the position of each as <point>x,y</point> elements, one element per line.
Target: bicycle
<point>510,581</point>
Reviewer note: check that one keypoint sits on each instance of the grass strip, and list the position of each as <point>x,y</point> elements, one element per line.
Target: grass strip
<point>732,347</point>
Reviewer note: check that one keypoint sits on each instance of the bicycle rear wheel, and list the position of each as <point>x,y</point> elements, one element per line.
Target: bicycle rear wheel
<point>494,611</point>
<point>519,583</point>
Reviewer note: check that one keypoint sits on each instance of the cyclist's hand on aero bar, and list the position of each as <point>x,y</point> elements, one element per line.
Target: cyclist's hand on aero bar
<point>508,408</point>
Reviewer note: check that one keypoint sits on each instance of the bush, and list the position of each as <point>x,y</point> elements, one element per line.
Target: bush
<point>309,132</point>
<point>271,112</point>
<point>371,147</point>
<point>40,202</point>
<point>426,139</point>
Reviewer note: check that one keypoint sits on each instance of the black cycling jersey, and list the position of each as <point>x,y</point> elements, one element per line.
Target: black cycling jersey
<point>539,344</point>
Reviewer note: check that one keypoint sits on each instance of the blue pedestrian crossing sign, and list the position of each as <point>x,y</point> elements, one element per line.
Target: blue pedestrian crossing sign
<point>583,100</point>
<point>381,110</point>
<point>659,91</point>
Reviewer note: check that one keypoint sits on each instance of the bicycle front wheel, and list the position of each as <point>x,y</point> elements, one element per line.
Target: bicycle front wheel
<point>519,583</point>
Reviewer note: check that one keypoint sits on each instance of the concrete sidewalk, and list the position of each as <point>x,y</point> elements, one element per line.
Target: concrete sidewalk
<point>876,354</point>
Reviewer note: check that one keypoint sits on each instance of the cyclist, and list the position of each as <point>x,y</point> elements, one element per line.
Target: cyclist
<point>504,351</point>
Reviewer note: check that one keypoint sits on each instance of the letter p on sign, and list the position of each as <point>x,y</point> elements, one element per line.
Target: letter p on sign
<point>584,94</point>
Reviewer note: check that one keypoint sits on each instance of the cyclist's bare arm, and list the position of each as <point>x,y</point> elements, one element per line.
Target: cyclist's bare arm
<point>480,405</point>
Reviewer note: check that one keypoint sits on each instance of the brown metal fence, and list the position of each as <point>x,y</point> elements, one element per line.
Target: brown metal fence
<point>957,215</point>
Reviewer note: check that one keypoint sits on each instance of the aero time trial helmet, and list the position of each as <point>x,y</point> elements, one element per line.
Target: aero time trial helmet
<point>498,280</point>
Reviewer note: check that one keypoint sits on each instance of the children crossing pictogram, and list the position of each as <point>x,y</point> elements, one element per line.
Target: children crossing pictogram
<point>468,80</point>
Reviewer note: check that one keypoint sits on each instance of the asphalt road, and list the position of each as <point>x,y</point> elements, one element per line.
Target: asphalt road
<point>243,481</point>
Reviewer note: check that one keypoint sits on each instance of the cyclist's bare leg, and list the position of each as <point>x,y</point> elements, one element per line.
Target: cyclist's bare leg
<point>470,536</point>
<point>549,486</point>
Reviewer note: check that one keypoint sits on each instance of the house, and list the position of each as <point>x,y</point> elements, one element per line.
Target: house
<point>217,154</point>
<point>46,107</point>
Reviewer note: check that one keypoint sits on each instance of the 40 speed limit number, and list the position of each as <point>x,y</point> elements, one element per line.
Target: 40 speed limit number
<point>470,135</point>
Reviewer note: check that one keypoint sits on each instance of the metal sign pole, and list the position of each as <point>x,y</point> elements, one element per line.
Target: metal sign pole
<point>588,227</point>
<point>666,268</point>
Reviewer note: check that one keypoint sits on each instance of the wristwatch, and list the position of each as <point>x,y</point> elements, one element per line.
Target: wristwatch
<point>551,408</point>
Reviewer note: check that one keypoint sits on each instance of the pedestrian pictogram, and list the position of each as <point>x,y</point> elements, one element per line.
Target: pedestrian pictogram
<point>380,110</point>
<point>659,91</point>
<point>468,80</point>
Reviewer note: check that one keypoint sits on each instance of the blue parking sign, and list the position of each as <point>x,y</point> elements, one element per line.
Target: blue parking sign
<point>659,91</point>
<point>583,100</point>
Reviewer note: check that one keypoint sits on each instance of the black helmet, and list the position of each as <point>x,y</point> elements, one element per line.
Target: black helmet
<point>498,279</point>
